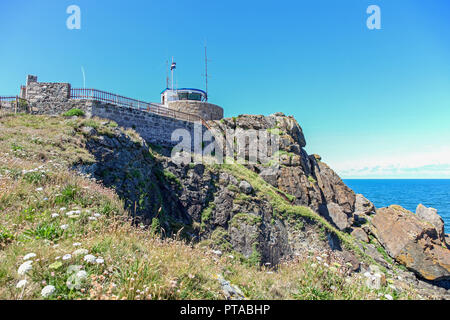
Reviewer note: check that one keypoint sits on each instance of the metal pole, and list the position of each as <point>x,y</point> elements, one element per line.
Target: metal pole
<point>206,73</point>
<point>171,69</point>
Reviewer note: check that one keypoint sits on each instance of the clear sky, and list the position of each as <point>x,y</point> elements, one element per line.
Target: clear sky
<point>372,103</point>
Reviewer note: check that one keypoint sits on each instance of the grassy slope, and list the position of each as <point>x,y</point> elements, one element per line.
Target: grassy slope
<point>137,263</point>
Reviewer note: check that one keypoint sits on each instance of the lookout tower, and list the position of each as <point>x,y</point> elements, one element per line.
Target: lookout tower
<point>190,100</point>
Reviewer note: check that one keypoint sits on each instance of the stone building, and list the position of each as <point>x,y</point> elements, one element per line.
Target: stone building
<point>193,101</point>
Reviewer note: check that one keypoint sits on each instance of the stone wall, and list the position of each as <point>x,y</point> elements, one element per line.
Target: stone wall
<point>152,127</point>
<point>207,111</point>
<point>60,107</point>
<point>46,97</point>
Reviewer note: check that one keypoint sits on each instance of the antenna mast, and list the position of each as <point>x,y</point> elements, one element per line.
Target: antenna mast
<point>167,73</point>
<point>172,67</point>
<point>206,73</point>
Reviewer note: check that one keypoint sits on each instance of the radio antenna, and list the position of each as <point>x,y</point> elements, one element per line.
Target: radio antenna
<point>173,67</point>
<point>167,73</point>
<point>206,72</point>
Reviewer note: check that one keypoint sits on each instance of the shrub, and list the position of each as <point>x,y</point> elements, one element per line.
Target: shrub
<point>207,213</point>
<point>47,231</point>
<point>5,236</point>
<point>34,177</point>
<point>67,196</point>
<point>75,112</point>
<point>311,179</point>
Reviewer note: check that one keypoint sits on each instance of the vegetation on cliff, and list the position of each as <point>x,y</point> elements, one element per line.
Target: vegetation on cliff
<point>82,240</point>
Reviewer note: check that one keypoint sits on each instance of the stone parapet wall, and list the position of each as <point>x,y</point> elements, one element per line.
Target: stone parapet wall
<point>152,127</point>
<point>207,111</point>
<point>59,107</point>
<point>43,92</point>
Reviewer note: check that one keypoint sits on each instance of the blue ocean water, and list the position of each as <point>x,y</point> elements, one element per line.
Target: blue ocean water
<point>407,193</point>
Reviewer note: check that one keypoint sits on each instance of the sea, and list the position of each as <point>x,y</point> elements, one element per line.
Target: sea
<point>407,193</point>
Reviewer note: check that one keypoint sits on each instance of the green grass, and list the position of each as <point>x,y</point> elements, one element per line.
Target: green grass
<point>247,218</point>
<point>311,179</point>
<point>75,112</point>
<point>68,195</point>
<point>207,214</point>
<point>35,177</point>
<point>166,175</point>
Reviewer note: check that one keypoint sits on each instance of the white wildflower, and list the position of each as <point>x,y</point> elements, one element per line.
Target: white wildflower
<point>388,296</point>
<point>80,252</point>
<point>92,218</point>
<point>47,291</point>
<point>39,189</point>
<point>29,256</point>
<point>67,256</point>
<point>97,215</point>
<point>64,226</point>
<point>25,267</point>
<point>73,269</point>
<point>76,277</point>
<point>89,258</point>
<point>21,283</point>
<point>81,275</point>
<point>77,244</point>
<point>71,213</point>
<point>63,209</point>
<point>99,261</point>
<point>55,215</point>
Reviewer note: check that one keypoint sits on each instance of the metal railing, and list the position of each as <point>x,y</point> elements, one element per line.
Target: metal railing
<point>111,98</point>
<point>7,99</point>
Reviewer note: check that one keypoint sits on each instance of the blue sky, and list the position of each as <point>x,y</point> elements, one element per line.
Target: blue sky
<point>372,103</point>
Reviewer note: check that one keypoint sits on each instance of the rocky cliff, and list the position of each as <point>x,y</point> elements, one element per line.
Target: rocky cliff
<point>265,213</point>
<point>258,210</point>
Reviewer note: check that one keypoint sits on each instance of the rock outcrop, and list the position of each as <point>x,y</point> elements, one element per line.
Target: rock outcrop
<point>412,242</point>
<point>212,204</point>
<point>430,215</point>
<point>218,206</point>
<point>306,177</point>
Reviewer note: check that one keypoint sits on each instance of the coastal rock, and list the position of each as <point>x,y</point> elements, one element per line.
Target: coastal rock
<point>412,242</point>
<point>430,215</point>
<point>359,234</point>
<point>333,188</point>
<point>375,280</point>
<point>336,215</point>
<point>245,187</point>
<point>363,206</point>
<point>372,251</point>
<point>304,176</point>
